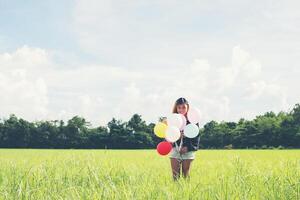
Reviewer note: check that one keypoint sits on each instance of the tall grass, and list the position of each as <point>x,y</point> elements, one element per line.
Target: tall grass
<point>142,174</point>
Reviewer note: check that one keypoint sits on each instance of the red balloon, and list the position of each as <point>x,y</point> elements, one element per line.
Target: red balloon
<point>163,148</point>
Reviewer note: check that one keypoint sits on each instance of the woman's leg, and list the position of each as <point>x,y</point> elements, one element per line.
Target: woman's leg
<point>186,164</point>
<point>175,165</point>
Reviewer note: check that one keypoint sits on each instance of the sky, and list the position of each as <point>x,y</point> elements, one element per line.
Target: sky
<point>101,59</point>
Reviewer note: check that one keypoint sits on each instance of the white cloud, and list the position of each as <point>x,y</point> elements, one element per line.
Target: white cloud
<point>171,33</point>
<point>167,35</point>
<point>41,89</point>
<point>20,92</point>
<point>146,54</point>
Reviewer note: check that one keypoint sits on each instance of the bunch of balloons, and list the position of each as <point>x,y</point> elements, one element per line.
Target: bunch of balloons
<point>171,130</point>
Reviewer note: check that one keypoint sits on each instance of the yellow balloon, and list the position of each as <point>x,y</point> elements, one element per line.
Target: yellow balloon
<point>160,129</point>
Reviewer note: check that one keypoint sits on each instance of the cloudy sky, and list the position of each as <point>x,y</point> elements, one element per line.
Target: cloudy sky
<point>101,59</point>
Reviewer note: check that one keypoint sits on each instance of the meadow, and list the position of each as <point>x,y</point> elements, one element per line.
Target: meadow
<point>143,174</point>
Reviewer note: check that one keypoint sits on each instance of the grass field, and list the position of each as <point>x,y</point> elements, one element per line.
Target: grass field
<point>143,174</point>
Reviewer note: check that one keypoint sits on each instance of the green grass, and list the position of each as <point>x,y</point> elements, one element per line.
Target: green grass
<point>143,174</point>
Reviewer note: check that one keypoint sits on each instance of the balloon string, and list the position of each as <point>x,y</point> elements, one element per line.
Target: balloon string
<point>178,149</point>
<point>180,145</point>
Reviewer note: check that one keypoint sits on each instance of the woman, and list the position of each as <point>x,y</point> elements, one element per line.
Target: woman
<point>183,152</point>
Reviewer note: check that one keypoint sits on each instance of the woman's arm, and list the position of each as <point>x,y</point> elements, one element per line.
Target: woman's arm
<point>194,143</point>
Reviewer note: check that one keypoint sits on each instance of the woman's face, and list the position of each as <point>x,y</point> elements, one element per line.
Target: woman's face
<point>182,109</point>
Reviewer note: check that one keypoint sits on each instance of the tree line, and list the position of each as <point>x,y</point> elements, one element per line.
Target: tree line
<point>270,130</point>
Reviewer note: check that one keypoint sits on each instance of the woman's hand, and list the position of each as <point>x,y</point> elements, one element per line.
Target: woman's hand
<point>183,150</point>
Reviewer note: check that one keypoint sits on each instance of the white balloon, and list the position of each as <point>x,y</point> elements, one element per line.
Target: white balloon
<point>174,120</point>
<point>191,130</point>
<point>194,115</point>
<point>183,122</point>
<point>172,134</point>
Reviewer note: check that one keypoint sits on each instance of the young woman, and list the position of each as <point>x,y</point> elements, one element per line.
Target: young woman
<point>183,152</point>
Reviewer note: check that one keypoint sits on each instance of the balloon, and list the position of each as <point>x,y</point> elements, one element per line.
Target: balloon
<point>183,122</point>
<point>163,148</point>
<point>175,120</point>
<point>193,115</point>
<point>160,129</point>
<point>172,134</point>
<point>191,130</point>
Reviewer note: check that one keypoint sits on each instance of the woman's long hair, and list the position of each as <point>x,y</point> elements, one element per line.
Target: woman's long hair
<point>180,101</point>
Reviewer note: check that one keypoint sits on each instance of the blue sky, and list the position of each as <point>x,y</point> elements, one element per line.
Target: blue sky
<point>37,23</point>
<point>104,59</point>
